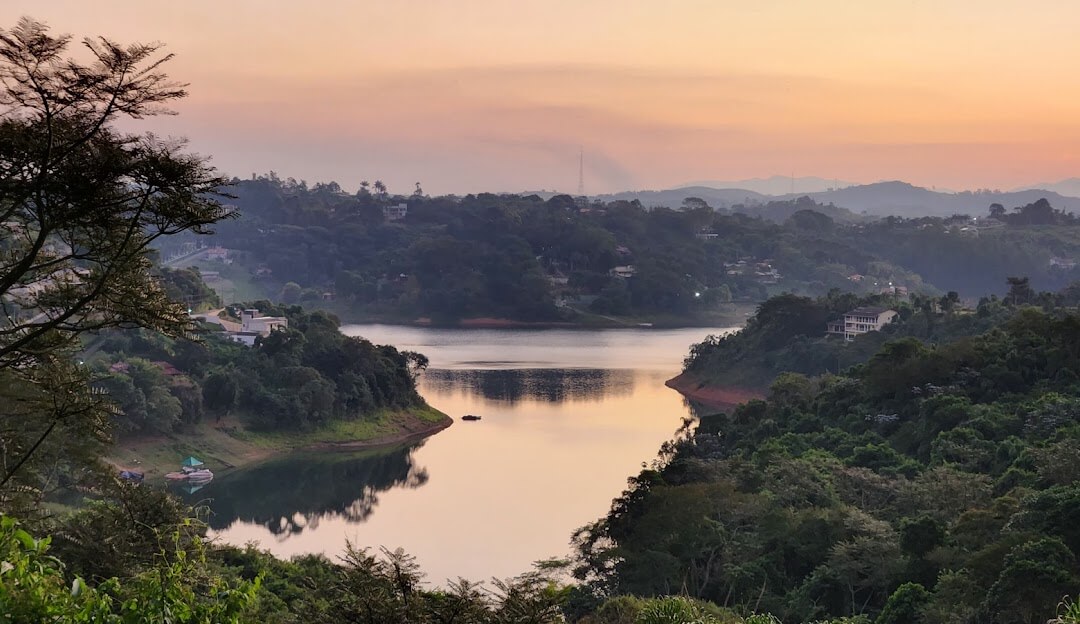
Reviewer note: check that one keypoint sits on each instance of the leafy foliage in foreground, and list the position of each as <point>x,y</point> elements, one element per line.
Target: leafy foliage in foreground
<point>81,203</point>
<point>930,484</point>
<point>138,556</point>
<point>177,588</point>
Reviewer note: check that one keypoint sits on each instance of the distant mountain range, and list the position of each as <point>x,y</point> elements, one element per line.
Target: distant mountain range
<point>776,185</point>
<point>673,198</point>
<point>881,198</point>
<point>1069,187</point>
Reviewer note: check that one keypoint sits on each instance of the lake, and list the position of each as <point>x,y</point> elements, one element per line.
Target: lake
<point>567,417</point>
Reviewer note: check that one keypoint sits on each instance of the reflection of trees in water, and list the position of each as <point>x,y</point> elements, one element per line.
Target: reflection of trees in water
<point>554,385</point>
<point>293,493</point>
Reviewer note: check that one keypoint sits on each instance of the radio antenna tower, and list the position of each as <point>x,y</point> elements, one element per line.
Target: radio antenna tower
<point>581,173</point>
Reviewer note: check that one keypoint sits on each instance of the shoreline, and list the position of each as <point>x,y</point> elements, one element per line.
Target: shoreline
<point>385,442</point>
<point>587,321</point>
<point>225,445</point>
<point>498,323</point>
<point>718,397</point>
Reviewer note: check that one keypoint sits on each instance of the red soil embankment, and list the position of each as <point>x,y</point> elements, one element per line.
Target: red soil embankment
<point>722,397</point>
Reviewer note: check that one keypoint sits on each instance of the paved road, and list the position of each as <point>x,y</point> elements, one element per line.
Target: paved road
<point>211,316</point>
<point>173,261</point>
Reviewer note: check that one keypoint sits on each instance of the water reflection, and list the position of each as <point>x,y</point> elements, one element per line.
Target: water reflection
<point>568,416</point>
<point>553,385</point>
<point>289,495</point>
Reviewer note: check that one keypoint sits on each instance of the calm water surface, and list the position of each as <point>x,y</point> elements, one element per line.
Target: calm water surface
<point>567,417</point>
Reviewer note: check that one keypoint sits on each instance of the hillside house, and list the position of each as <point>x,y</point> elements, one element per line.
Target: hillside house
<point>860,321</point>
<point>250,327</point>
<point>250,321</point>
<point>624,272</point>
<point>760,270</point>
<point>1064,264</point>
<point>244,338</point>
<point>218,254</point>
<point>395,213</point>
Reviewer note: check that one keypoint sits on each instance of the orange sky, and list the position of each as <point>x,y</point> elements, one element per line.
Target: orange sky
<point>466,95</point>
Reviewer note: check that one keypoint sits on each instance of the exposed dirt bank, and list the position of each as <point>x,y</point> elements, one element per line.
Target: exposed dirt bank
<point>719,397</point>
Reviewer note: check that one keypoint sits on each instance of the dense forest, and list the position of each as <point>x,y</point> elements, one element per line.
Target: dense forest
<point>934,482</point>
<point>931,483</point>
<point>525,258</point>
<point>787,333</point>
<point>298,378</point>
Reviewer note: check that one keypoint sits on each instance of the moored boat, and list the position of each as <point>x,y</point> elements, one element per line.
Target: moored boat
<point>192,475</point>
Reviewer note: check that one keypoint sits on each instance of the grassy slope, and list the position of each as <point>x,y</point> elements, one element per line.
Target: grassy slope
<point>235,284</point>
<point>226,444</point>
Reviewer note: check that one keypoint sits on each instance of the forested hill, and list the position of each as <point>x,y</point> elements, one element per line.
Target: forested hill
<point>930,484</point>
<point>879,199</point>
<point>304,377</point>
<point>787,333</point>
<point>531,259</point>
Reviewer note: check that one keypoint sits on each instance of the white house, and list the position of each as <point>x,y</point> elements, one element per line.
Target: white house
<point>218,253</point>
<point>244,338</point>
<point>250,321</point>
<point>395,213</point>
<point>624,272</point>
<point>860,321</point>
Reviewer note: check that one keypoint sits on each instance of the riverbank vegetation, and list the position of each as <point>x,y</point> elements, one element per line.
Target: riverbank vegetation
<point>298,378</point>
<point>787,332</point>
<point>931,483</point>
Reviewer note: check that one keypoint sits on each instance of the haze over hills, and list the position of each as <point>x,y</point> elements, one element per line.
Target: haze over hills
<point>673,198</point>
<point>906,200</point>
<point>880,198</point>
<point>1069,187</point>
<point>775,185</point>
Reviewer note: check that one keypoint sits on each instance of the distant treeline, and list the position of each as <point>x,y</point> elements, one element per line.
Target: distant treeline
<point>527,258</point>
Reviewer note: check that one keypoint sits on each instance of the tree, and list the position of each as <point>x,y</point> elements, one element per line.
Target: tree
<point>290,292</point>
<point>904,605</point>
<point>1034,577</point>
<point>417,363</point>
<point>81,202</point>
<point>949,302</point>
<point>380,188</point>
<point>1020,291</point>
<point>219,391</point>
<point>80,205</point>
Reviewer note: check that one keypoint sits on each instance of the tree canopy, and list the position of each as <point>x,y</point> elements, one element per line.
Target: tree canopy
<point>81,203</point>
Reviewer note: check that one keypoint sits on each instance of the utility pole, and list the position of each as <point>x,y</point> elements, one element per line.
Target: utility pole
<point>581,173</point>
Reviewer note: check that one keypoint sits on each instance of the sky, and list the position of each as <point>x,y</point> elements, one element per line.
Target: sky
<point>502,95</point>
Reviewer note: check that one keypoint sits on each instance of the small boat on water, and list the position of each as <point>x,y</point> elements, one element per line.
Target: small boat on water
<point>470,417</point>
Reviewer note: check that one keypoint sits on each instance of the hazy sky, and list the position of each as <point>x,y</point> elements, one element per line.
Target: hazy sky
<point>466,95</point>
